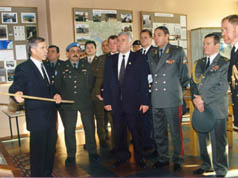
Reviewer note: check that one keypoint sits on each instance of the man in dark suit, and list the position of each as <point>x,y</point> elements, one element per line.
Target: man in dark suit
<point>168,66</point>
<point>147,127</point>
<point>126,95</point>
<point>31,78</point>
<point>229,28</point>
<point>209,92</point>
<point>53,62</point>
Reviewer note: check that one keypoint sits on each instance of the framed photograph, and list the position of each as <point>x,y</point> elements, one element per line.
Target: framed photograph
<point>97,16</point>
<point>81,16</point>
<point>31,31</point>
<point>126,18</point>
<point>10,74</point>
<point>126,28</point>
<point>28,17</point>
<point>9,17</point>
<point>110,17</point>
<point>3,32</point>
<point>10,64</point>
<point>6,44</point>
<point>146,21</point>
<point>82,29</point>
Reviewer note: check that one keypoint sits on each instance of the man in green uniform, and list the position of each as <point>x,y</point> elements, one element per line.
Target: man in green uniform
<point>74,81</point>
<point>98,107</point>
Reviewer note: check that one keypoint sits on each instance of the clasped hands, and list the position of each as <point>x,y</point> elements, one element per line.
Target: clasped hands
<point>199,103</point>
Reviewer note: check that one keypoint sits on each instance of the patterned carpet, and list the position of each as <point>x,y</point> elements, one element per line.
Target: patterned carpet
<point>22,162</point>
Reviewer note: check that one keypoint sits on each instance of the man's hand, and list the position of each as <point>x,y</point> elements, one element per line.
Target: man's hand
<point>57,98</point>
<point>108,107</point>
<point>18,98</point>
<point>199,103</point>
<point>144,108</point>
<point>99,97</point>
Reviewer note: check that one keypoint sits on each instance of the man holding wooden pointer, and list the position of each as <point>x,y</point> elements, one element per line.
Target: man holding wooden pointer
<point>31,78</point>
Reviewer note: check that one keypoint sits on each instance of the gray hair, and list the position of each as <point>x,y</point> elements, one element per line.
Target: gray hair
<point>128,34</point>
<point>32,43</point>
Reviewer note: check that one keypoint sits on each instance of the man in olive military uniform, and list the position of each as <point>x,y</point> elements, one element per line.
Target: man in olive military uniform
<point>168,65</point>
<point>209,92</point>
<point>53,62</point>
<point>74,81</point>
<point>98,106</point>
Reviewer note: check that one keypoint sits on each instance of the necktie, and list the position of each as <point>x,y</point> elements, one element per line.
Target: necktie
<point>44,74</point>
<point>208,62</point>
<point>144,52</point>
<point>122,70</point>
<point>160,53</point>
<point>74,65</point>
<point>52,65</point>
<point>233,51</point>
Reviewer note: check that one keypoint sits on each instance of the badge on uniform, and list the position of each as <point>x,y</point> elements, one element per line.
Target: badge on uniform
<point>167,51</point>
<point>185,60</point>
<point>170,61</point>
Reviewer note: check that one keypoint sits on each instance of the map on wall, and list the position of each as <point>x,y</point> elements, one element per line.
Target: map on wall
<point>98,25</point>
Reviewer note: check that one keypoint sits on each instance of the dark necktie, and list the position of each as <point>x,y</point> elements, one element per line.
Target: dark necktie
<point>122,70</point>
<point>208,62</point>
<point>74,65</point>
<point>44,74</point>
<point>160,53</point>
<point>52,66</point>
<point>233,51</point>
<point>144,52</point>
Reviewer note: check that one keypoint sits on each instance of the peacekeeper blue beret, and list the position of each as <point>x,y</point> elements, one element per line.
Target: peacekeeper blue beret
<point>204,121</point>
<point>74,44</point>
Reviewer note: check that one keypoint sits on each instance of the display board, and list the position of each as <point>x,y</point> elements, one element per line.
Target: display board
<point>17,25</point>
<point>99,24</point>
<point>176,24</point>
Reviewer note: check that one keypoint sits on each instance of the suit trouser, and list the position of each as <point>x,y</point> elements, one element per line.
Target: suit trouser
<point>42,151</point>
<point>217,137</point>
<point>69,119</point>
<point>147,130</point>
<point>163,117</point>
<point>98,110</point>
<point>108,115</point>
<point>121,122</point>
<point>235,114</point>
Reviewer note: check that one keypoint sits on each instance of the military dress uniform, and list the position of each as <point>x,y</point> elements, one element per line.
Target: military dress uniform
<point>211,84</point>
<point>170,73</point>
<point>52,68</point>
<point>76,84</point>
<point>97,67</point>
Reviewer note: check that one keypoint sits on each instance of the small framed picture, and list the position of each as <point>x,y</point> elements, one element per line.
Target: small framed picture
<point>28,17</point>
<point>3,32</point>
<point>9,17</point>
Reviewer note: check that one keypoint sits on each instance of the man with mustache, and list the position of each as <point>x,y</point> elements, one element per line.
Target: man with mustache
<point>74,81</point>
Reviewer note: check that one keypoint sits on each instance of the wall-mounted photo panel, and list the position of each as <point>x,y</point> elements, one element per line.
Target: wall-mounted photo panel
<point>28,17</point>
<point>9,17</point>
<point>19,33</point>
<point>82,29</point>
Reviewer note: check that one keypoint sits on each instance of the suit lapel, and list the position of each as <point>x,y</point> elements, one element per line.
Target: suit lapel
<point>130,62</point>
<point>115,65</point>
<point>37,73</point>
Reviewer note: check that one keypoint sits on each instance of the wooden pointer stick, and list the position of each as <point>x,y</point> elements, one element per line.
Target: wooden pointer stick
<point>36,98</point>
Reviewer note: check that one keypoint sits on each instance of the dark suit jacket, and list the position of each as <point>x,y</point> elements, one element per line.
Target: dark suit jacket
<point>40,115</point>
<point>234,89</point>
<point>146,55</point>
<point>134,91</point>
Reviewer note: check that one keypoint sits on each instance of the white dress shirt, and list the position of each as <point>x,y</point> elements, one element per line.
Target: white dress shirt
<point>38,65</point>
<point>212,57</point>
<point>120,60</point>
<point>145,50</point>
